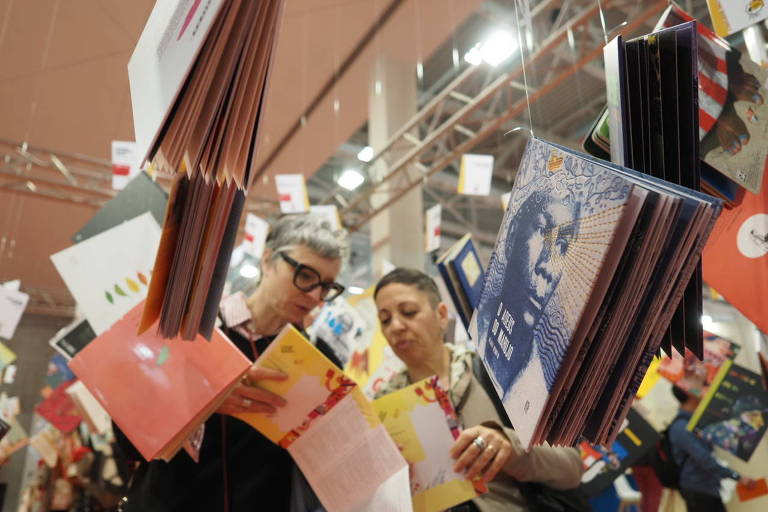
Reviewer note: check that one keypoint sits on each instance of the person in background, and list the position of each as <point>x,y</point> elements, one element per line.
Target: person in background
<point>413,320</point>
<point>239,469</point>
<point>700,473</point>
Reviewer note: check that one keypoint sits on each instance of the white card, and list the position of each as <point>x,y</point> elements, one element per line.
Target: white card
<point>432,223</point>
<point>108,274</point>
<point>125,163</point>
<point>256,231</point>
<point>475,174</point>
<point>169,43</point>
<point>12,305</point>
<point>292,193</point>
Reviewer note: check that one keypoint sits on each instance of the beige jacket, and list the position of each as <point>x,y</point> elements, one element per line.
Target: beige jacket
<point>556,467</point>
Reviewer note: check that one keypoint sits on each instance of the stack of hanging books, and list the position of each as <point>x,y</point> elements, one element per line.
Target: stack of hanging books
<point>198,77</point>
<point>589,267</point>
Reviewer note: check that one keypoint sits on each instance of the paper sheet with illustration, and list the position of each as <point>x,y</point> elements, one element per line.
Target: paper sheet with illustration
<point>108,274</point>
<point>331,430</point>
<point>424,425</point>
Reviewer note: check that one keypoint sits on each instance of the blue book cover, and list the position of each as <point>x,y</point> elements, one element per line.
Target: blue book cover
<point>562,218</point>
<point>469,269</point>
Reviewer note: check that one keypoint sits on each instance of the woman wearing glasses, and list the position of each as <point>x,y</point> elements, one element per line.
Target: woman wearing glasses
<point>238,468</point>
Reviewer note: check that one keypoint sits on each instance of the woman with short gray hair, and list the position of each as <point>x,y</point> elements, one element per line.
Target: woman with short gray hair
<point>239,469</point>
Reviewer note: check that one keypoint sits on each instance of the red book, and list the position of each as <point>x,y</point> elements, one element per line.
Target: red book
<point>759,489</point>
<point>158,391</point>
<point>735,258</point>
<point>59,409</point>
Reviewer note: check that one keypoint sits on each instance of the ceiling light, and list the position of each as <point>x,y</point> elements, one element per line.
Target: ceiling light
<point>494,50</point>
<point>355,290</point>
<point>706,321</point>
<point>365,154</point>
<point>249,271</point>
<point>350,179</point>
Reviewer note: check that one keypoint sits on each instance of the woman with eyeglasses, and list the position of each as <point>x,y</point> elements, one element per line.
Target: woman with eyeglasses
<point>413,320</point>
<point>238,468</point>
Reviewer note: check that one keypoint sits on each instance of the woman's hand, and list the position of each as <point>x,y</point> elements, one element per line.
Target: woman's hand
<point>486,461</point>
<point>248,397</point>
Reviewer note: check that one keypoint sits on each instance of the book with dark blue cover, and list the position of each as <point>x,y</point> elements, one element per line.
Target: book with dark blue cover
<point>469,270</point>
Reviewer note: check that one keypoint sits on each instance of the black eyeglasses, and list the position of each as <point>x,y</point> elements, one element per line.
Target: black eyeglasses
<point>306,279</point>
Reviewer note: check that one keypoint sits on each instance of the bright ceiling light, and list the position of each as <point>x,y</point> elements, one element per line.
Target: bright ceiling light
<point>498,47</point>
<point>355,290</point>
<point>494,50</point>
<point>249,271</point>
<point>365,154</point>
<point>350,179</point>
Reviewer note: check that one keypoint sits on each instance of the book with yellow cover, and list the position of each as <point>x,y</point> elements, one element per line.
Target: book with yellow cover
<point>424,425</point>
<point>331,430</point>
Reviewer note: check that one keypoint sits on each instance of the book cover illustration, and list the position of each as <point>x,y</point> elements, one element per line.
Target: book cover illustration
<point>734,412</point>
<point>339,325</point>
<point>554,237</point>
<point>693,374</point>
<point>731,16</point>
<point>108,273</point>
<point>735,259</point>
<point>424,425</point>
<point>733,107</point>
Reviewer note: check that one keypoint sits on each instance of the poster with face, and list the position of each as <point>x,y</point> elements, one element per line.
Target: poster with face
<point>562,217</point>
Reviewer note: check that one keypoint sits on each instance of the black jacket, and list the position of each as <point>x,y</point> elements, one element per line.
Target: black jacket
<point>256,474</point>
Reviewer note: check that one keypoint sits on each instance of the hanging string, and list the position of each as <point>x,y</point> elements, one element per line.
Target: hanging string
<point>454,49</point>
<point>602,21</point>
<point>522,63</point>
<point>17,209</point>
<point>304,78</point>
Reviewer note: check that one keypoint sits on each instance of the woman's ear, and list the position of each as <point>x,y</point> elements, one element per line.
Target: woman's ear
<point>266,262</point>
<point>442,314</point>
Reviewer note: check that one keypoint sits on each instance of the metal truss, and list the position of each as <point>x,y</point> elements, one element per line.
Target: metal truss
<point>473,107</point>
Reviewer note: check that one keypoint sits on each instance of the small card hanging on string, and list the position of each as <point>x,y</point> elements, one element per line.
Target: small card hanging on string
<point>475,174</point>
<point>432,223</point>
<point>292,192</point>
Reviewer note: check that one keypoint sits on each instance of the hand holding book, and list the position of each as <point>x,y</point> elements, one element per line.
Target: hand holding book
<point>249,397</point>
<point>476,457</point>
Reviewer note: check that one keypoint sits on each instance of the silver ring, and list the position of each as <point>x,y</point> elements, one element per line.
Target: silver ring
<point>479,442</point>
<point>247,402</point>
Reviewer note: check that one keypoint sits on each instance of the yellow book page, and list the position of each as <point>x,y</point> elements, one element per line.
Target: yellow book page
<point>652,376</point>
<point>313,381</point>
<point>422,423</point>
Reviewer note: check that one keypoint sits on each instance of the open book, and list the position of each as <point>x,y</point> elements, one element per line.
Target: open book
<point>198,81</point>
<point>331,430</point>
<point>421,420</point>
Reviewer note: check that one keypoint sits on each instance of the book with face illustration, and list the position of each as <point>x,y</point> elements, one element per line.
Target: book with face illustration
<point>424,425</point>
<point>564,215</point>
<point>589,267</point>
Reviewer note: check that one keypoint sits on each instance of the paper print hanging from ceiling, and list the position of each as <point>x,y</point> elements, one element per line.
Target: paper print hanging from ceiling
<point>109,273</point>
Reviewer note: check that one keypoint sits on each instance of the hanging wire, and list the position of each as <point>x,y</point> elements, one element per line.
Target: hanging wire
<point>9,247</point>
<point>522,63</point>
<point>602,21</point>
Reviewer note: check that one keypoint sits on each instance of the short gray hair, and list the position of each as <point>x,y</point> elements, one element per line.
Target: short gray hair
<point>309,230</point>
